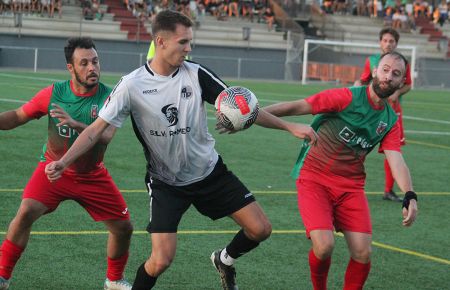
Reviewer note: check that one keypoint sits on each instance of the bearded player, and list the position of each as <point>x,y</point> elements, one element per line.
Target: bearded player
<point>389,38</point>
<point>350,122</point>
<point>71,106</point>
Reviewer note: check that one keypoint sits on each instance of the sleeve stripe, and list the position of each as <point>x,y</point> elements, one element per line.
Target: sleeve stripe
<point>213,77</point>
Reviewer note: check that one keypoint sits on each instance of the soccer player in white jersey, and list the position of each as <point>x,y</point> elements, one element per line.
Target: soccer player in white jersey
<point>166,100</point>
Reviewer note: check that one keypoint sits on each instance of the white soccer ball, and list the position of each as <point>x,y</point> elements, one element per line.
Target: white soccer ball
<point>236,108</point>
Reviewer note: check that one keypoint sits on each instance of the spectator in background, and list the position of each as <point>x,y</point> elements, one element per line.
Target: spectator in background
<point>3,6</point>
<point>443,10</point>
<point>96,10</point>
<point>400,20</point>
<point>341,7</point>
<point>45,5</point>
<point>269,17</point>
<point>15,6</point>
<point>258,9</point>
<point>57,4</point>
<point>327,6</point>
<point>233,8</point>
<point>86,6</point>
<point>361,8</point>
<point>436,16</point>
<point>35,6</point>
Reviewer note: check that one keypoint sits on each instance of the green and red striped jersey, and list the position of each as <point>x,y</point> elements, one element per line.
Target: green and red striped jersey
<point>349,126</point>
<point>83,108</point>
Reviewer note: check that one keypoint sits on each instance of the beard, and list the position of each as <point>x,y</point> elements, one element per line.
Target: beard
<point>386,92</point>
<point>85,83</point>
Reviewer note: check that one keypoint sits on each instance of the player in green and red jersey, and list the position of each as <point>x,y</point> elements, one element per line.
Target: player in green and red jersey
<point>71,106</point>
<point>389,38</point>
<point>350,122</point>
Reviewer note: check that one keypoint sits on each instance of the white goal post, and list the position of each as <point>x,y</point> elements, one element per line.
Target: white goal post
<point>353,48</point>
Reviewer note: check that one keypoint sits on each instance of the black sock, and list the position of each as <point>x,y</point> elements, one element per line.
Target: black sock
<point>143,280</point>
<point>240,245</point>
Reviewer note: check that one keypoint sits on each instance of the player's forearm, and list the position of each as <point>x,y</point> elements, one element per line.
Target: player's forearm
<point>269,120</point>
<point>300,107</point>
<point>105,137</point>
<point>11,119</point>
<point>85,141</point>
<point>399,170</point>
<point>403,178</point>
<point>403,90</point>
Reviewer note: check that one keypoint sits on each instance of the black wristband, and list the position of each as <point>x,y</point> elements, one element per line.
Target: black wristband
<point>408,196</point>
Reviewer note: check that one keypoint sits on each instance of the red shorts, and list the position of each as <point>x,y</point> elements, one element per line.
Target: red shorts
<point>325,208</point>
<point>94,191</point>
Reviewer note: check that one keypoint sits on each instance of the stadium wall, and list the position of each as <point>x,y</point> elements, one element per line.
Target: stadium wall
<point>228,62</point>
<point>123,57</point>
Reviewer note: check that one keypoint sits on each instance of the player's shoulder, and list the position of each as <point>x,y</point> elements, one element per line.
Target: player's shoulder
<point>140,72</point>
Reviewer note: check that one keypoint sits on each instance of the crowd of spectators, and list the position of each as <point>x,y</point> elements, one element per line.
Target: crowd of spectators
<point>42,7</point>
<point>253,10</point>
<point>400,14</point>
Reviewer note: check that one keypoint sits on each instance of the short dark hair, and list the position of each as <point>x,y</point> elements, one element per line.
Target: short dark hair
<point>77,42</point>
<point>390,31</point>
<point>397,55</point>
<point>167,20</point>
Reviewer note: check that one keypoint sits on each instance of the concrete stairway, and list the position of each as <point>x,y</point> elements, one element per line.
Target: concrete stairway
<point>69,25</point>
<point>120,24</point>
<point>364,29</point>
<point>128,22</point>
<point>233,33</point>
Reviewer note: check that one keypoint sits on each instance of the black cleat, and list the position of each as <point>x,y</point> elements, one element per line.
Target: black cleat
<point>227,273</point>
<point>391,196</point>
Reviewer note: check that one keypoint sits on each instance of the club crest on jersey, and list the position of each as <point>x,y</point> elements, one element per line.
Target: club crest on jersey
<point>381,128</point>
<point>346,134</point>
<point>186,92</point>
<point>171,114</point>
<point>94,111</point>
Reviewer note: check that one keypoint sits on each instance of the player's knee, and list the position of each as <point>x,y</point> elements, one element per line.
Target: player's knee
<point>159,265</point>
<point>26,216</point>
<point>323,249</point>
<point>362,255</point>
<point>260,232</point>
<point>124,229</point>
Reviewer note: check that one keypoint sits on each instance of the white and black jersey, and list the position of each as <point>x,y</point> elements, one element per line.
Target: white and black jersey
<point>169,118</point>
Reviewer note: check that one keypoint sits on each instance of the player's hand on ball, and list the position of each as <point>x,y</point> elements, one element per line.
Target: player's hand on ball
<point>303,131</point>
<point>221,128</point>
<point>54,170</point>
<point>409,210</point>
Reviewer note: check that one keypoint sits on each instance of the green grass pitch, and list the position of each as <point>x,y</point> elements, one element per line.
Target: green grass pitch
<point>67,249</point>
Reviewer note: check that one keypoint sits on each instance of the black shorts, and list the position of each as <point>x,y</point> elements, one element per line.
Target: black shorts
<point>220,194</point>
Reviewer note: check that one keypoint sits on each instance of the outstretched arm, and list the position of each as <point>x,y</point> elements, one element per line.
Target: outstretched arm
<point>65,119</point>
<point>402,176</point>
<point>301,131</point>
<point>88,138</point>
<point>12,119</point>
<point>294,108</point>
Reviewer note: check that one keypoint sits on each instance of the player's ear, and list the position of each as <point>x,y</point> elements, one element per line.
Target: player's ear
<point>159,41</point>
<point>69,67</point>
<point>374,72</point>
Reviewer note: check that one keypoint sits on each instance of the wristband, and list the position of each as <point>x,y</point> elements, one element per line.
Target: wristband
<point>408,196</point>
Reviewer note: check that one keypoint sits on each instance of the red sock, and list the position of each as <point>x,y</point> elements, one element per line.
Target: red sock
<point>116,267</point>
<point>319,271</point>
<point>389,179</point>
<point>9,255</point>
<point>356,275</point>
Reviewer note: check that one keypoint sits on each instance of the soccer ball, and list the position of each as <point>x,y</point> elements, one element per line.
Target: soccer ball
<point>236,108</point>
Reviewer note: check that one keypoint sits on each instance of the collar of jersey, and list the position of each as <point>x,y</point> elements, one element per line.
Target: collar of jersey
<point>147,67</point>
